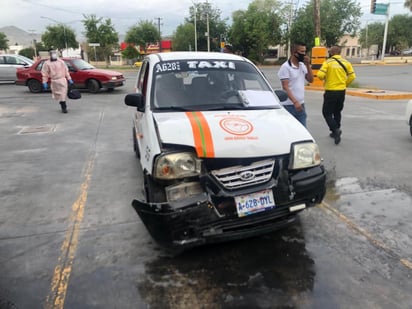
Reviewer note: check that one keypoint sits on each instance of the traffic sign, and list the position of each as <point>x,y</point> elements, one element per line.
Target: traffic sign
<point>381,9</point>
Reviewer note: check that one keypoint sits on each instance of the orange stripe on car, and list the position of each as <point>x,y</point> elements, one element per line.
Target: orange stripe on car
<point>201,134</point>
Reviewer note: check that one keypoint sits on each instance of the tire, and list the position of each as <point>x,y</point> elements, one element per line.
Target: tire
<point>135,144</point>
<point>34,86</point>
<point>154,193</point>
<point>93,86</point>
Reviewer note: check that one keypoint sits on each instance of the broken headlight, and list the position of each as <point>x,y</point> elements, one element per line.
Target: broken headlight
<point>176,165</point>
<point>304,155</point>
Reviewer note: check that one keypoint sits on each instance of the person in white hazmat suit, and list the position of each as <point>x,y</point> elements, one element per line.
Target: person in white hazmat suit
<point>56,70</point>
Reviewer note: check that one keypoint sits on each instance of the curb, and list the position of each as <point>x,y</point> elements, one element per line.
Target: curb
<point>371,93</point>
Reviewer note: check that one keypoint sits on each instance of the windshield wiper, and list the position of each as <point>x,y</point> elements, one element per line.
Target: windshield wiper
<point>173,108</point>
<point>216,107</point>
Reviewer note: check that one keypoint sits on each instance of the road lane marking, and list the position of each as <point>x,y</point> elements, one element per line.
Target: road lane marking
<point>62,271</point>
<point>364,233</point>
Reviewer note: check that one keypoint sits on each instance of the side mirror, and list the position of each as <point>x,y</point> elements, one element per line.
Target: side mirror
<point>282,95</point>
<point>135,99</point>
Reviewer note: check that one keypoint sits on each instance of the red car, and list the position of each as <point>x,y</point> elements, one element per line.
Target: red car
<point>84,75</point>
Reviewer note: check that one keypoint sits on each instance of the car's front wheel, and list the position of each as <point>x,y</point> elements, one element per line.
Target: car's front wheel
<point>93,85</point>
<point>34,85</point>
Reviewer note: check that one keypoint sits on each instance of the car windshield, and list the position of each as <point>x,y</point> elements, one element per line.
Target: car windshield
<point>210,85</point>
<point>82,65</point>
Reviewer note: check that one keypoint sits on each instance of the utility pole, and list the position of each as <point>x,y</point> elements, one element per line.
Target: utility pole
<point>290,26</point>
<point>366,39</point>
<point>317,21</point>
<point>207,27</point>
<point>319,53</point>
<point>158,23</point>
<point>195,11</point>
<point>158,27</point>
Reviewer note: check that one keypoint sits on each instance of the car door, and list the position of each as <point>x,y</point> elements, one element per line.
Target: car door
<point>147,139</point>
<point>7,68</point>
<point>140,87</point>
<point>3,69</point>
<point>77,75</point>
<point>12,63</point>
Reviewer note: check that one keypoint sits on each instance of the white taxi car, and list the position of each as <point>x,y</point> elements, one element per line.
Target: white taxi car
<point>408,115</point>
<point>220,158</point>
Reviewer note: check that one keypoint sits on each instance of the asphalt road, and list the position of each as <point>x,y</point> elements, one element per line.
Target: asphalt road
<point>70,239</point>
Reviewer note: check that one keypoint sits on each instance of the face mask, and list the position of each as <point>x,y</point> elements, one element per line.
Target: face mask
<point>53,56</point>
<point>300,57</point>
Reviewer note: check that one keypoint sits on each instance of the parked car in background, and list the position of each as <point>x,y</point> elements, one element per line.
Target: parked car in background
<point>84,76</point>
<point>407,52</point>
<point>220,158</point>
<point>408,115</point>
<point>8,65</point>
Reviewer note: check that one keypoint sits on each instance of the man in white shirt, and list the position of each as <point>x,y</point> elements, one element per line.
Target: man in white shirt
<point>292,75</point>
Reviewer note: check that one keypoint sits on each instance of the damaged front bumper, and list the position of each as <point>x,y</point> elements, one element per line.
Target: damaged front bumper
<point>213,217</point>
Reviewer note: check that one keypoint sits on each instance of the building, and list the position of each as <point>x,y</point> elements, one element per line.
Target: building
<point>351,47</point>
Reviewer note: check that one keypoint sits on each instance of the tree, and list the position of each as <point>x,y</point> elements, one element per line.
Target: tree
<point>102,32</point>
<point>143,34</point>
<point>184,37</point>
<point>30,53</point>
<point>257,28</point>
<point>3,41</point>
<point>130,52</point>
<point>237,33</point>
<point>205,13</point>
<point>372,35</point>
<point>337,17</point>
<point>399,34</point>
<point>59,37</point>
<point>27,52</point>
<point>399,37</point>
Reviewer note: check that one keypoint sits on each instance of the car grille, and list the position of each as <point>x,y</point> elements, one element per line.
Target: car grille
<point>236,177</point>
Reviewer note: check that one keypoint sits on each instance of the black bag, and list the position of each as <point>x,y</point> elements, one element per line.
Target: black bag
<point>73,94</point>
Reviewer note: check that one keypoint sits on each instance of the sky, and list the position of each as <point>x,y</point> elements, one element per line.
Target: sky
<point>27,14</point>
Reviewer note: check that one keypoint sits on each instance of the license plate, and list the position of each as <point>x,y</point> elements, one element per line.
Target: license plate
<point>255,202</point>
